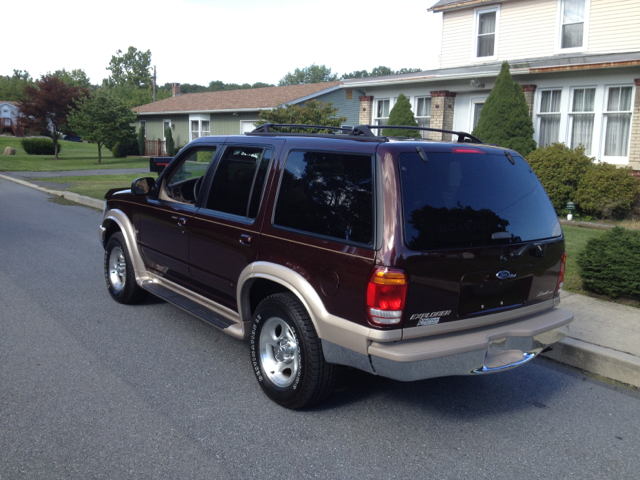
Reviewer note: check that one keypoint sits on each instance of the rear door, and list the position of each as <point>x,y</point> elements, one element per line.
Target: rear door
<point>225,230</point>
<point>479,234</point>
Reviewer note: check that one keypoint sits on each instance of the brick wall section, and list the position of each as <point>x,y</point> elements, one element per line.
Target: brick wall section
<point>529,95</point>
<point>366,109</point>
<point>634,152</point>
<point>442,108</point>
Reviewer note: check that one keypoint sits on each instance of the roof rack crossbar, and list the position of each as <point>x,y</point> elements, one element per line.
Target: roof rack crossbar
<point>366,131</point>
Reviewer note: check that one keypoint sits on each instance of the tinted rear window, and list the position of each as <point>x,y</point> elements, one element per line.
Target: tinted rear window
<point>468,200</point>
<point>328,194</point>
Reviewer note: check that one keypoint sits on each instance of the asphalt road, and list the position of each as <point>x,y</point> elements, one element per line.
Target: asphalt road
<point>93,389</point>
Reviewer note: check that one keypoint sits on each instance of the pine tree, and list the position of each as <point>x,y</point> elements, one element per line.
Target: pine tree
<point>401,114</point>
<point>505,118</point>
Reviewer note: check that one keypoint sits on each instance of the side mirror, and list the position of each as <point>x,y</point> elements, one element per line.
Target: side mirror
<point>143,186</point>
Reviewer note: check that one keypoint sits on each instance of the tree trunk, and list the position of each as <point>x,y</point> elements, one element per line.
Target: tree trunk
<point>99,153</point>
<point>55,145</point>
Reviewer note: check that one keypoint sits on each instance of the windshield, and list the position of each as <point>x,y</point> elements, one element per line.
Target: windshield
<point>457,200</point>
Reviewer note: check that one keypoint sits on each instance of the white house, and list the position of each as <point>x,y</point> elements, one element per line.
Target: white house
<point>578,62</point>
<point>9,113</point>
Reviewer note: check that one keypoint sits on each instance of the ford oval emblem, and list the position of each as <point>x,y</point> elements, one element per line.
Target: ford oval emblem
<point>505,274</point>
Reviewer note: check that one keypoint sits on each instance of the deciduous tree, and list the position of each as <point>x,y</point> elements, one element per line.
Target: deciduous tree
<point>313,112</point>
<point>130,69</point>
<point>311,74</point>
<point>73,78</point>
<point>102,118</point>
<point>378,71</point>
<point>505,119</point>
<point>12,87</point>
<point>47,105</point>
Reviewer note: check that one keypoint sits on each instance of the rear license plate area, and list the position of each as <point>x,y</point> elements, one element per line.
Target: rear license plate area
<point>483,292</point>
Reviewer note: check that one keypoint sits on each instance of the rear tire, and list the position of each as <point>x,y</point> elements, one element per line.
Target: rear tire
<point>118,272</point>
<point>286,353</point>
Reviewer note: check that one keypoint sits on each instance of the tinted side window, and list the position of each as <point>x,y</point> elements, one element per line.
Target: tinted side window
<point>195,165</point>
<point>239,180</point>
<point>327,193</point>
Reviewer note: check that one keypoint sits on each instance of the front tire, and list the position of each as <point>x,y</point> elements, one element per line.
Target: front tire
<point>286,353</point>
<point>118,272</point>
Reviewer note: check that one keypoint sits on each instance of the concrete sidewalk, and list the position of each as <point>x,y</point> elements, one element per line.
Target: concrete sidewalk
<point>604,338</point>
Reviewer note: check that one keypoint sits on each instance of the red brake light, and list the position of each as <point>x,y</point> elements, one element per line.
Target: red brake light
<point>560,284</point>
<point>386,294</point>
<point>467,150</point>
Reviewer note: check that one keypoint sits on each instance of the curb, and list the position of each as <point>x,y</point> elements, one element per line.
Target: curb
<point>602,361</point>
<point>74,197</point>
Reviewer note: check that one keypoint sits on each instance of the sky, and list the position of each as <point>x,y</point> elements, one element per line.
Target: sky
<point>241,41</point>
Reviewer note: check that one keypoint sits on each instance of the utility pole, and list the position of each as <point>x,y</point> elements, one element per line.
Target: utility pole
<point>154,83</point>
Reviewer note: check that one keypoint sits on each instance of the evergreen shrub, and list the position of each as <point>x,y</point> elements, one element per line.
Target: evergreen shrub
<point>560,169</point>
<point>141,141</point>
<point>504,119</point>
<point>610,264</point>
<point>401,114</point>
<point>170,146</point>
<point>39,146</point>
<point>608,192</point>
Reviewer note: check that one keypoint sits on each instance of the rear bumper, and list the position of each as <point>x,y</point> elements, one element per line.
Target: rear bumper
<point>481,350</point>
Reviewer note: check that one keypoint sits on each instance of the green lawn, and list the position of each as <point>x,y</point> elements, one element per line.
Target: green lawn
<point>73,156</point>
<point>575,240</point>
<point>95,185</point>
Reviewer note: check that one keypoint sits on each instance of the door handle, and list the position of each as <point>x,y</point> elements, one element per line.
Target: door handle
<point>245,239</point>
<point>182,222</point>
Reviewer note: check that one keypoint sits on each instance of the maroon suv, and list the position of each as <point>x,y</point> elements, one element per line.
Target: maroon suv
<point>404,258</point>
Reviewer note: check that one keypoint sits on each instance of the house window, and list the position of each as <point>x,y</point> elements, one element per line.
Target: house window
<point>382,113</point>
<point>581,118</point>
<point>423,114</point>
<point>199,126</point>
<point>617,121</point>
<point>549,117</point>
<point>486,31</point>
<point>572,23</point>
<point>165,124</point>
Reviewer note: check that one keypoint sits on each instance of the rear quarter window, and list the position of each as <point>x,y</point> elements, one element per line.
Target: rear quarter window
<point>327,194</point>
<point>457,200</point>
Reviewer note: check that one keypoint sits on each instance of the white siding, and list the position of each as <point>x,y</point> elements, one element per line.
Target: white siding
<point>457,38</point>
<point>527,29</point>
<point>614,26</point>
<point>530,29</point>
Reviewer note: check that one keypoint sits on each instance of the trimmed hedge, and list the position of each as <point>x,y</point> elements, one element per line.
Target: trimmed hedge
<point>610,264</point>
<point>607,191</point>
<point>560,169</point>
<point>39,146</point>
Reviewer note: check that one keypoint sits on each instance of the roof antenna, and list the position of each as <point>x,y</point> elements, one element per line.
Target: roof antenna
<point>422,154</point>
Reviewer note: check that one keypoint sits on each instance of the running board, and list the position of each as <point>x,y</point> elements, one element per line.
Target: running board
<point>194,308</point>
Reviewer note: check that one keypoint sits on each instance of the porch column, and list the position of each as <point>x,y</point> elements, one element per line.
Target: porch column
<point>529,95</point>
<point>366,108</point>
<point>442,108</point>
<point>634,150</point>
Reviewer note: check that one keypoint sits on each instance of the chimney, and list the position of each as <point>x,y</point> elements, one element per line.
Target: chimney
<point>176,89</point>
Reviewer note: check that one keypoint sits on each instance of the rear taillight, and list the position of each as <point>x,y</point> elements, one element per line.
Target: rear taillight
<point>386,294</point>
<point>563,262</point>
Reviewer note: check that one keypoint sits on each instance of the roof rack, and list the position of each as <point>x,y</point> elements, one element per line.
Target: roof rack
<point>359,132</point>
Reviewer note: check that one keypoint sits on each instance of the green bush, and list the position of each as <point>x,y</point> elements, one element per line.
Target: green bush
<point>39,146</point>
<point>127,146</point>
<point>610,264</point>
<point>560,169</point>
<point>608,192</point>
<point>141,141</point>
